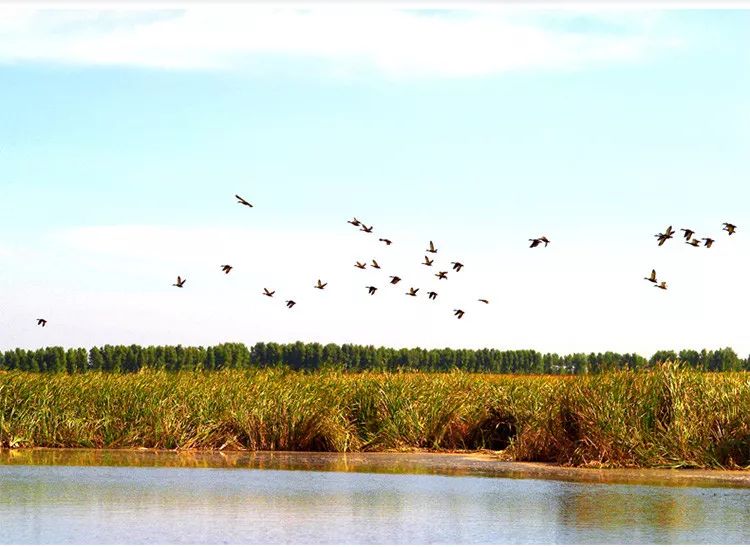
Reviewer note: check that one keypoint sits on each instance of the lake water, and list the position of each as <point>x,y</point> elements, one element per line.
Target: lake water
<point>101,497</point>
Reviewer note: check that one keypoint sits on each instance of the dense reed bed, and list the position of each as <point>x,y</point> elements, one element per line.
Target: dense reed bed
<point>665,417</point>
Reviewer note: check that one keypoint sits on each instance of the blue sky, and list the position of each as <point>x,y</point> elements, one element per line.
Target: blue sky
<point>124,136</point>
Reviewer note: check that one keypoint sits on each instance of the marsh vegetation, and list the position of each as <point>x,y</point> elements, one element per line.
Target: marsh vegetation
<point>669,416</point>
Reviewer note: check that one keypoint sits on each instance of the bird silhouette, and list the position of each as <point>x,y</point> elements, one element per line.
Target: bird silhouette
<point>386,241</point>
<point>42,322</point>
<point>432,248</point>
<point>267,292</point>
<point>457,266</point>
<point>458,313</point>
<point>428,262</point>
<point>731,228</point>
<point>320,285</point>
<point>354,221</point>
<point>366,229</point>
<point>394,279</point>
<point>484,300</point>
<point>652,278</point>
<point>688,233</point>
<point>665,236</point>
<point>662,285</point>
<point>545,240</point>
<point>694,242</point>
<point>412,291</point>
<point>662,238</point>
<point>180,282</point>
<point>243,201</point>
<point>534,243</point>
<point>290,303</point>
<point>442,275</point>
<point>708,242</point>
<point>375,264</point>
<point>360,265</point>
<point>371,289</point>
<point>226,268</point>
<point>432,295</point>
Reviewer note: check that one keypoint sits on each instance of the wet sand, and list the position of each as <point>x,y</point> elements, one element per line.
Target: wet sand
<point>486,464</point>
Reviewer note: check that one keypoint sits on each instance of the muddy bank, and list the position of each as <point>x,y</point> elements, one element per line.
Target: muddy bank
<point>485,463</point>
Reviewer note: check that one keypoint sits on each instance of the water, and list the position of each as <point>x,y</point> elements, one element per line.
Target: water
<point>148,498</point>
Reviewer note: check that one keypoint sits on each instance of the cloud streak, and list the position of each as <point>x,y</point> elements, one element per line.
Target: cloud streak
<point>394,43</point>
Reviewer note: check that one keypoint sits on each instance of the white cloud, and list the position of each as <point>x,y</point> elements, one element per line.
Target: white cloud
<point>394,42</point>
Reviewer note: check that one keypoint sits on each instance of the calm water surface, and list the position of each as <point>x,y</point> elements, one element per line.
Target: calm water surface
<point>142,502</point>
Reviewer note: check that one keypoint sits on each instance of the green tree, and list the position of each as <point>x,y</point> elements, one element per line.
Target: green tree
<point>662,356</point>
<point>96,359</point>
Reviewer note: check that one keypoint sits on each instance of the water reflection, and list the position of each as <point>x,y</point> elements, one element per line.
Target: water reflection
<point>659,515</point>
<point>90,504</point>
<point>395,463</point>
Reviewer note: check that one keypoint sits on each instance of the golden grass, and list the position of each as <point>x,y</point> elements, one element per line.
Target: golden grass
<point>667,417</point>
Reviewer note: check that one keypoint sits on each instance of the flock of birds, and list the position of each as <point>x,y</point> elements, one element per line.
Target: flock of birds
<point>394,279</point>
<point>371,289</point>
<point>456,266</point>
<point>690,240</point>
<point>431,295</point>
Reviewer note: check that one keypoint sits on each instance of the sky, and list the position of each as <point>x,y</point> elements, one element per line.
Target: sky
<point>125,133</point>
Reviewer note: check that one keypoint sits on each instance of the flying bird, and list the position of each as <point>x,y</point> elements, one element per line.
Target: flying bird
<point>457,266</point>
<point>180,282</point>
<point>360,265</point>
<point>371,289</point>
<point>394,279</point>
<point>708,242</point>
<point>694,242</point>
<point>226,268</point>
<point>412,291</point>
<point>665,236</point>
<point>243,201</point>
<point>484,300</point>
<point>545,240</point>
<point>652,278</point>
<point>442,275</point>
<point>267,292</point>
<point>386,241</point>
<point>688,233</point>
<point>432,295</point>
<point>375,264</point>
<point>534,243</point>
<point>662,285</point>
<point>42,322</point>
<point>662,238</point>
<point>321,285</point>
<point>354,221</point>
<point>432,248</point>
<point>290,303</point>
<point>366,229</point>
<point>729,228</point>
<point>458,313</point>
<point>428,262</point>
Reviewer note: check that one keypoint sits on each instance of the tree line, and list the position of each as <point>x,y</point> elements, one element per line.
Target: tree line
<point>349,357</point>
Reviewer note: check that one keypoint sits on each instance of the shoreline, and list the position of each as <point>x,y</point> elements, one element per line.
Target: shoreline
<point>665,418</point>
<point>479,464</point>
